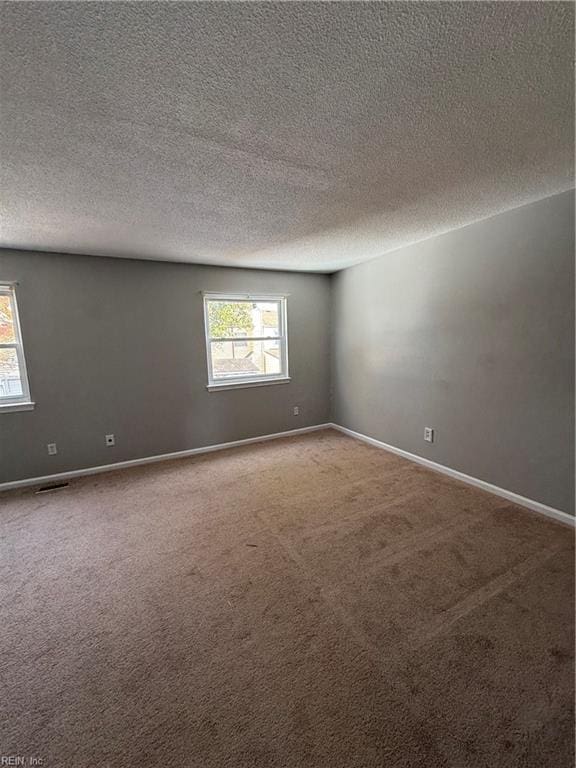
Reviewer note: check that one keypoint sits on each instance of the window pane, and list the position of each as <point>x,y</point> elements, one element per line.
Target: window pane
<point>7,333</point>
<point>10,383</point>
<point>248,359</point>
<point>228,319</point>
<point>232,319</point>
<point>267,314</point>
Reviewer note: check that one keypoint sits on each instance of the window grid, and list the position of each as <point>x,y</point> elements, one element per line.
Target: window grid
<point>7,289</point>
<point>257,377</point>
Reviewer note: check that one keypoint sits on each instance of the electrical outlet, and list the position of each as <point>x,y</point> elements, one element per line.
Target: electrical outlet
<point>110,440</point>
<point>296,410</point>
<point>428,434</point>
<point>52,449</point>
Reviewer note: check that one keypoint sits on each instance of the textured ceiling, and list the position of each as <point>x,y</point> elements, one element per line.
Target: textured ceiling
<point>281,135</point>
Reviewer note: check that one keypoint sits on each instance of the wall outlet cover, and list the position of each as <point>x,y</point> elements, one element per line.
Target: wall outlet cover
<point>110,440</point>
<point>428,434</point>
<point>52,449</point>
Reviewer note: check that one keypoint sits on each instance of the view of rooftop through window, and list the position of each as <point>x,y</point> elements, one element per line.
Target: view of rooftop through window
<point>246,338</point>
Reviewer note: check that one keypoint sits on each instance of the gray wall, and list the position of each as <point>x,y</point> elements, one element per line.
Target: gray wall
<point>117,346</point>
<point>471,333</point>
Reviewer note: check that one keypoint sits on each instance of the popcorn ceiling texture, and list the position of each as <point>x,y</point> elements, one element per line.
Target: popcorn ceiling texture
<point>280,135</point>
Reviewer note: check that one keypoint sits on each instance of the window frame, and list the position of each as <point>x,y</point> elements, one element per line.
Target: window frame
<point>17,402</point>
<point>257,380</point>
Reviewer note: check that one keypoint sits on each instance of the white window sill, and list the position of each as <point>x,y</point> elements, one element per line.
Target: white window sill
<point>244,384</point>
<point>12,407</point>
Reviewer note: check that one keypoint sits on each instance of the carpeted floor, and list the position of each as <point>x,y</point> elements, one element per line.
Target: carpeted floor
<point>307,602</point>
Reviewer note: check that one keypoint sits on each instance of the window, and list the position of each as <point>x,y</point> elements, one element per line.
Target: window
<point>246,340</point>
<point>14,390</point>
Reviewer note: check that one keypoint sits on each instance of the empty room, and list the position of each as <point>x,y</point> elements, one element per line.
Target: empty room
<point>287,384</point>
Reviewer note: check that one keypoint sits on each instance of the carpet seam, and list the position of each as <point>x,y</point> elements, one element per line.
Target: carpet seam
<point>486,593</point>
<point>472,602</point>
<point>342,616</point>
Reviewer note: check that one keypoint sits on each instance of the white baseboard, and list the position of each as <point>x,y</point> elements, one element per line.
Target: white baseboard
<point>535,506</point>
<point>151,459</point>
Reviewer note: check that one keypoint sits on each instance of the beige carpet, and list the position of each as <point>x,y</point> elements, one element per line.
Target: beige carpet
<point>310,601</point>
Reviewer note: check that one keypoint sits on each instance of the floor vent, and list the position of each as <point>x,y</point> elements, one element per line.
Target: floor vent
<point>53,487</point>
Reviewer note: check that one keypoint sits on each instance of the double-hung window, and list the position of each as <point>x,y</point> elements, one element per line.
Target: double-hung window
<point>14,389</point>
<point>246,339</point>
